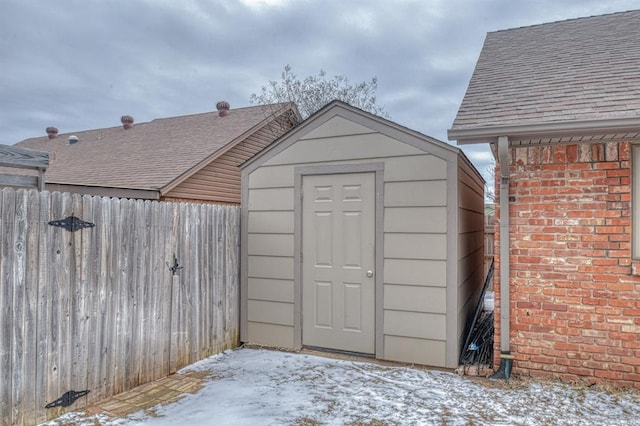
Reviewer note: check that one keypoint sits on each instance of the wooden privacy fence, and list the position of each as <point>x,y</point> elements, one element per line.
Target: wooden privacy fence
<point>150,288</point>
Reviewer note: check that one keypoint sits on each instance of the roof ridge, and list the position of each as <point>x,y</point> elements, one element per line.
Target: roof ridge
<point>561,21</point>
<point>282,104</point>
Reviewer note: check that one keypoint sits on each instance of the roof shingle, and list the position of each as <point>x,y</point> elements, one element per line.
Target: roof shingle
<point>150,155</point>
<point>574,70</point>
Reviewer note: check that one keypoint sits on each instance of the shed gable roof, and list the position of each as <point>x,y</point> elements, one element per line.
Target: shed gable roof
<point>153,155</point>
<point>576,71</point>
<point>357,117</point>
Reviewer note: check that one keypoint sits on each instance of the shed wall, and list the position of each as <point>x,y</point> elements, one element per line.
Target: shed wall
<point>470,243</point>
<point>415,243</point>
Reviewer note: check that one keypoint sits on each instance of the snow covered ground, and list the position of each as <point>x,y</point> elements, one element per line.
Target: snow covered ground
<point>261,387</point>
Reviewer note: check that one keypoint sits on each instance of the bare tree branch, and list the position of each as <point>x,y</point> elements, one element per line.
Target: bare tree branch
<point>314,92</point>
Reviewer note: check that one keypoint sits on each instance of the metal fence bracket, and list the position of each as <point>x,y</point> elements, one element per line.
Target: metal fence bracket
<point>72,223</point>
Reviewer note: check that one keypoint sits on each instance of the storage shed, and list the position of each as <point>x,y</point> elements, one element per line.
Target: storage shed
<point>360,235</point>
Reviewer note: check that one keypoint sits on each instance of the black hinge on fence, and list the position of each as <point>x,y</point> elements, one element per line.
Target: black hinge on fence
<point>67,399</point>
<point>174,268</point>
<point>72,223</point>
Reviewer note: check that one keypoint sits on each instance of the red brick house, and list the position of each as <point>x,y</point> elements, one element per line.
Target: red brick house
<point>191,158</point>
<point>559,104</point>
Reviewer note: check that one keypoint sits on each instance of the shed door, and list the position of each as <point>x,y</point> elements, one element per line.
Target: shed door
<point>338,243</point>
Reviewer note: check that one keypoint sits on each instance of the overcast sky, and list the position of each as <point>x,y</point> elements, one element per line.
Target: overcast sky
<point>82,64</point>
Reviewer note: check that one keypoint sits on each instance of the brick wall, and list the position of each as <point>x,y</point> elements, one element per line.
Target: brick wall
<point>575,310</point>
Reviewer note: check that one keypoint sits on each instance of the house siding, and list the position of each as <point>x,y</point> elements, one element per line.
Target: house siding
<point>219,181</point>
<point>574,308</point>
<point>415,230</point>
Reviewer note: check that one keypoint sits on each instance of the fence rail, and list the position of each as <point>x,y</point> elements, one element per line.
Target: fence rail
<point>99,309</point>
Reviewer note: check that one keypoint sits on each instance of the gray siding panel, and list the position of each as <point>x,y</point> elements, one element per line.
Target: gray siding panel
<point>270,334</point>
<point>271,244</point>
<point>416,299</point>
<point>271,199</point>
<point>272,177</point>
<point>415,246</point>
<point>431,273</point>
<point>271,312</point>
<point>270,267</point>
<point>270,289</point>
<point>415,219</point>
<point>429,193</point>
<point>270,222</point>
<point>415,324</point>
<point>418,351</point>
<point>342,148</point>
<point>422,167</point>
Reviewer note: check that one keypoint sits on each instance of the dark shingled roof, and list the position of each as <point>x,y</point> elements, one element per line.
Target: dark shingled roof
<point>149,156</point>
<point>574,70</point>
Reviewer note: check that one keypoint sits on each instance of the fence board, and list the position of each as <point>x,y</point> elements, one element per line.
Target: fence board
<point>94,282</point>
<point>29,389</point>
<point>17,247</point>
<point>99,308</point>
<point>43,294</point>
<point>6,299</point>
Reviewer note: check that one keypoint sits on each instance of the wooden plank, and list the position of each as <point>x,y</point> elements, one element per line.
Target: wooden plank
<point>191,270</point>
<point>79,294</point>
<point>126,259</point>
<point>6,301</point>
<point>146,284</point>
<point>109,298</point>
<point>88,294</point>
<point>13,156</point>
<point>204,281</point>
<point>65,285</point>
<point>220,301</point>
<point>233,276</point>
<point>18,246</point>
<point>30,389</point>
<point>117,285</point>
<point>167,243</point>
<point>96,304</point>
<point>21,181</point>
<point>174,313</point>
<point>185,305</point>
<point>156,290</point>
<point>55,322</point>
<point>30,311</point>
<point>45,232</point>
<point>174,351</point>
<point>136,246</point>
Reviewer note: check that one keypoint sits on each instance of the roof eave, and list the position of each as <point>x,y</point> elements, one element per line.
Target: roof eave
<point>286,106</point>
<point>490,134</point>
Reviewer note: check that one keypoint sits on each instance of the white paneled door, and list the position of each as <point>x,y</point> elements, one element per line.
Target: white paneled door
<point>338,259</point>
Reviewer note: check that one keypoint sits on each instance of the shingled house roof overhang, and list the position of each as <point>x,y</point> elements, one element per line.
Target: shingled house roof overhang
<point>567,81</point>
<point>149,159</point>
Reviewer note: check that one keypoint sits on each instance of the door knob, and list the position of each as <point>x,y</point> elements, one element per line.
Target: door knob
<point>369,274</point>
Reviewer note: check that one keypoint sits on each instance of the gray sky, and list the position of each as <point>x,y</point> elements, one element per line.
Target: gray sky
<point>82,64</point>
